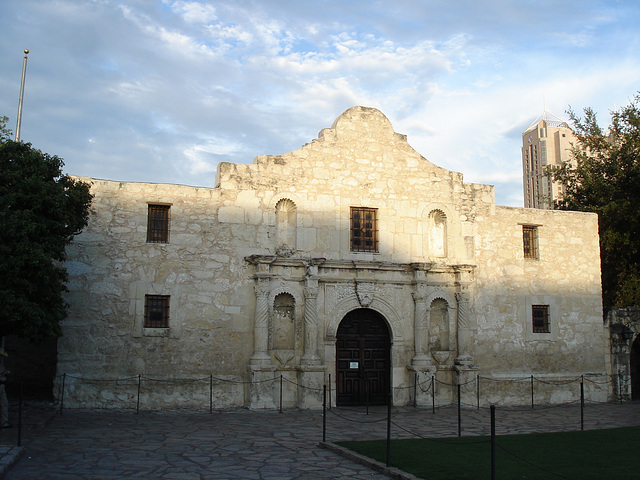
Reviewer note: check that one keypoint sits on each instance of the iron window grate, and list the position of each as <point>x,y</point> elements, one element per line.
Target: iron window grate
<point>364,229</point>
<point>540,318</point>
<point>158,224</point>
<point>156,311</point>
<point>530,241</point>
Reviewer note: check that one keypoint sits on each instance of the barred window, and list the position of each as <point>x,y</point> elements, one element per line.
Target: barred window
<point>156,311</point>
<point>158,224</point>
<point>540,318</point>
<point>364,229</point>
<point>530,241</point>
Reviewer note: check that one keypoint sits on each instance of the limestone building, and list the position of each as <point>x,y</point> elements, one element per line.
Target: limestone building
<point>352,262</point>
<point>546,142</point>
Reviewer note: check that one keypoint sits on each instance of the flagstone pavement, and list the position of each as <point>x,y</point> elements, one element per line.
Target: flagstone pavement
<point>242,444</point>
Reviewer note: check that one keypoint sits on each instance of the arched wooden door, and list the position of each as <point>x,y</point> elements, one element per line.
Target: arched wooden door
<point>363,359</point>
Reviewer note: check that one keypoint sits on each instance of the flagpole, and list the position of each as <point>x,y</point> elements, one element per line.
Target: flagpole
<point>24,72</point>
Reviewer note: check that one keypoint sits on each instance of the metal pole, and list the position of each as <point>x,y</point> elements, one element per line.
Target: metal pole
<point>210,393</point>
<point>493,442</point>
<point>415,389</point>
<point>531,391</point>
<point>478,390</point>
<point>389,430</point>
<point>329,391</point>
<point>433,394</point>
<point>280,393</point>
<point>621,379</point>
<point>24,72</point>
<point>582,405</point>
<point>64,378</point>
<point>459,414</point>
<point>366,394</point>
<point>324,413</point>
<point>20,397</point>
<point>138,401</point>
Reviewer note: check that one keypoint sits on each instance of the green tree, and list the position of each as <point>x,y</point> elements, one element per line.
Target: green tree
<point>604,177</point>
<point>40,211</point>
<point>5,133</point>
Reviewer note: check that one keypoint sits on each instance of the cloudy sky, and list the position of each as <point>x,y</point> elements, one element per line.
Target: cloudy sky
<point>163,90</point>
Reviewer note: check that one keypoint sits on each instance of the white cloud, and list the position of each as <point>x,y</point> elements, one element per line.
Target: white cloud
<point>194,12</point>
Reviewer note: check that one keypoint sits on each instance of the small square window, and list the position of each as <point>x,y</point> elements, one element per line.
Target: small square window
<point>156,311</point>
<point>530,241</point>
<point>540,318</point>
<point>158,224</point>
<point>364,229</point>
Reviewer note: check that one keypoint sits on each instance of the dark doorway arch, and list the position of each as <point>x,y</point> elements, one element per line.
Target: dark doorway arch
<point>363,359</point>
<point>634,368</point>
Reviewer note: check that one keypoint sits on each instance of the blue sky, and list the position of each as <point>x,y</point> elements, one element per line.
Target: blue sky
<point>161,91</point>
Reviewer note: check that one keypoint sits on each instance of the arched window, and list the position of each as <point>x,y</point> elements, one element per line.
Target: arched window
<point>439,325</point>
<point>437,234</point>
<point>286,222</point>
<point>284,322</point>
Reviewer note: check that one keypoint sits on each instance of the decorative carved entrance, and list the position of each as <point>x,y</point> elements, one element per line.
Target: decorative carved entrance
<point>363,359</point>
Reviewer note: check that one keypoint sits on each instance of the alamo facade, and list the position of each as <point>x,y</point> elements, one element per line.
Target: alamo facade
<point>352,262</point>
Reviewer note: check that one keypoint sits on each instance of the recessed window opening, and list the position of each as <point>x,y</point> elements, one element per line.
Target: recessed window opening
<point>540,318</point>
<point>158,224</point>
<point>156,311</point>
<point>530,241</point>
<point>364,229</point>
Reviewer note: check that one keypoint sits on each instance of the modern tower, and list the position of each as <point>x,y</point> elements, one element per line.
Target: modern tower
<point>547,141</point>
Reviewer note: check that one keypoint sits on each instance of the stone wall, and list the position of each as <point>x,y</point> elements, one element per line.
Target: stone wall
<point>260,273</point>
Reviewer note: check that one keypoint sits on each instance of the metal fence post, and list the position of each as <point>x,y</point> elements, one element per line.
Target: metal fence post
<point>620,381</point>
<point>389,429</point>
<point>582,405</point>
<point>493,442</point>
<point>64,379</point>
<point>210,393</point>
<point>478,391</point>
<point>433,394</point>
<point>138,401</point>
<point>459,414</point>
<point>324,413</point>
<point>280,393</point>
<point>329,391</point>
<point>532,391</point>
<point>20,401</point>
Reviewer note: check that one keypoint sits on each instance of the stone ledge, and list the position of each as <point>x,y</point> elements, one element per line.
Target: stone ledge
<point>391,472</point>
<point>9,455</point>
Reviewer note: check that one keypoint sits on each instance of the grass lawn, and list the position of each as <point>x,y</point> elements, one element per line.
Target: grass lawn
<point>593,454</point>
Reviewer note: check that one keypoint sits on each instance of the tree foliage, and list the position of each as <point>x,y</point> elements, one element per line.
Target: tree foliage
<point>604,177</point>
<point>40,211</point>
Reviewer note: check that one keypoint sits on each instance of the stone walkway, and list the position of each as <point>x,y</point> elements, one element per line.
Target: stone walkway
<point>241,444</point>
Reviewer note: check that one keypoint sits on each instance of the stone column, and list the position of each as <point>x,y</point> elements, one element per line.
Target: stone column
<point>463,280</point>
<point>261,381</point>
<point>261,324</point>
<point>311,371</point>
<point>310,356</point>
<point>464,335</point>
<point>421,364</point>
<point>421,356</point>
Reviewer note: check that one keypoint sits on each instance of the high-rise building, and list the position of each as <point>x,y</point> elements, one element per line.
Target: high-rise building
<point>547,141</point>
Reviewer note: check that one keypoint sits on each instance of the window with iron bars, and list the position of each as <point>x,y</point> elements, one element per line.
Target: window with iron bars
<point>158,224</point>
<point>364,229</point>
<point>156,311</point>
<point>530,241</point>
<point>540,318</point>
